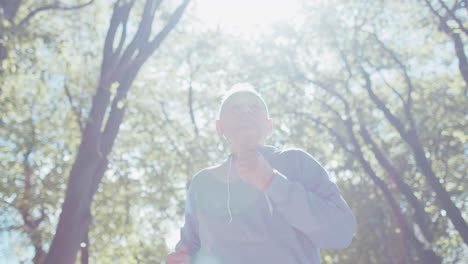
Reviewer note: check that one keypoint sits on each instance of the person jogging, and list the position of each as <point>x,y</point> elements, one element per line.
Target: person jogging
<point>261,204</point>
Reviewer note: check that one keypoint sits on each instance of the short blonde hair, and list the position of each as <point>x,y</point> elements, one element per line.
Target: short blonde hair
<point>241,88</point>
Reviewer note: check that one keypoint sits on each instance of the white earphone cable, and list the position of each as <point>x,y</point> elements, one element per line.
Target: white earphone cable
<point>229,190</point>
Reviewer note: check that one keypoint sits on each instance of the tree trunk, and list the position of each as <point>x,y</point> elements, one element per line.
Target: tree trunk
<point>426,255</point>
<point>119,66</point>
<point>412,139</point>
<point>421,217</point>
<point>85,249</point>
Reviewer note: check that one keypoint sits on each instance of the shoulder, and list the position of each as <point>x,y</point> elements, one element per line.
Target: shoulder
<point>296,153</point>
<point>292,151</point>
<point>304,160</point>
<point>302,154</point>
<point>205,175</point>
<point>199,176</point>
<point>309,171</point>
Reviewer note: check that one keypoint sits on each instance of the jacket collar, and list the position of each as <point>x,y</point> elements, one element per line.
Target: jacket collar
<point>265,150</point>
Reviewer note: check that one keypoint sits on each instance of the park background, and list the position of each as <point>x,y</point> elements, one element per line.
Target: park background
<point>107,110</point>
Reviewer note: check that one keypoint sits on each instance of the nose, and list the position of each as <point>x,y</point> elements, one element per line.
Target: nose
<point>245,109</point>
<point>245,113</point>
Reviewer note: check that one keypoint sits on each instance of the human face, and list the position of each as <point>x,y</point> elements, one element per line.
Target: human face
<point>244,122</point>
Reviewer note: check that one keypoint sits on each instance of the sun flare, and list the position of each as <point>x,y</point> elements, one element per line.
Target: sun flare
<point>246,16</point>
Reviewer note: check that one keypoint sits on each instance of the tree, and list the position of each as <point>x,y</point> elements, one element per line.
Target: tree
<point>9,16</point>
<point>451,23</point>
<point>119,68</point>
<point>314,71</point>
<point>336,94</point>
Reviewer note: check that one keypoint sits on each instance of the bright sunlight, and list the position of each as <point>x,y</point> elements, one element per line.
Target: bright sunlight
<point>246,16</point>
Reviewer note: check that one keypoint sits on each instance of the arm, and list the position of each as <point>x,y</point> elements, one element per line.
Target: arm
<point>189,232</point>
<point>312,203</point>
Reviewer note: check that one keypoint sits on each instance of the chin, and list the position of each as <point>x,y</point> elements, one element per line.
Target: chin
<point>249,143</point>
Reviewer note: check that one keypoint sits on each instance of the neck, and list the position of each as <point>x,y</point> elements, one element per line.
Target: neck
<point>235,150</point>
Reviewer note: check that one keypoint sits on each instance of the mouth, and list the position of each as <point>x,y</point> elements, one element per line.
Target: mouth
<point>246,125</point>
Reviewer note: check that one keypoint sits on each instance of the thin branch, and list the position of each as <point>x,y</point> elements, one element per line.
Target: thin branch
<point>190,92</point>
<point>25,202</point>
<point>167,121</point>
<point>409,100</point>
<point>119,16</point>
<point>333,110</point>
<point>332,91</point>
<point>124,34</point>
<point>458,44</point>
<point>145,46</point>
<point>454,17</point>
<point>41,218</point>
<point>429,5</point>
<point>381,105</point>
<point>51,7</point>
<point>75,109</point>
<point>340,139</point>
<point>143,32</point>
<point>173,20</point>
<point>190,104</point>
<point>390,86</point>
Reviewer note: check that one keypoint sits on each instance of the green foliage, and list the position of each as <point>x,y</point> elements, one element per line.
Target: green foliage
<point>302,69</point>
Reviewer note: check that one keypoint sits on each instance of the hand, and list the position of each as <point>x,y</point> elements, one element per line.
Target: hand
<point>253,168</point>
<point>179,257</point>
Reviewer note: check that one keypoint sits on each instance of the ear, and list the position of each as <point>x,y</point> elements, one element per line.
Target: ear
<point>219,130</point>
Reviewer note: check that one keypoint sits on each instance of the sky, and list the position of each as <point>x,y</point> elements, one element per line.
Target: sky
<point>246,16</point>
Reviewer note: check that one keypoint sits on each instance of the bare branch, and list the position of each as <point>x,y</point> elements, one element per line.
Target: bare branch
<point>119,16</point>
<point>191,112</point>
<point>168,122</point>
<point>331,109</point>
<point>454,17</point>
<point>41,218</point>
<point>51,7</point>
<point>390,86</point>
<point>409,100</point>
<point>381,105</point>
<point>173,20</point>
<point>458,44</point>
<point>75,109</point>
<point>143,31</point>
<point>190,92</point>
<point>127,67</point>
<point>339,138</point>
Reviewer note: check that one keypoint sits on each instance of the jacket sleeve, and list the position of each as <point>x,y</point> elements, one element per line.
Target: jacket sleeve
<point>189,232</point>
<point>312,204</point>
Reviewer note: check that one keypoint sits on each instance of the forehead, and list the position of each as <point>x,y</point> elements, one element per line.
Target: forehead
<point>242,98</point>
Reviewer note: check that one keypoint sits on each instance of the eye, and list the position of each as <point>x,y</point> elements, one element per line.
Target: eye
<point>254,108</point>
<point>235,108</point>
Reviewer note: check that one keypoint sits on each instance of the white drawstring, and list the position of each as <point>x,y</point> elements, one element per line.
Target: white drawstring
<point>270,207</point>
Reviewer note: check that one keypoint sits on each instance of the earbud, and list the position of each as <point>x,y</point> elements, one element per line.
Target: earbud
<point>221,132</point>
